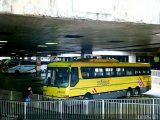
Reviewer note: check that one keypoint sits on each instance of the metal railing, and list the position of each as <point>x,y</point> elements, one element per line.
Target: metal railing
<point>18,96</point>
<point>82,109</point>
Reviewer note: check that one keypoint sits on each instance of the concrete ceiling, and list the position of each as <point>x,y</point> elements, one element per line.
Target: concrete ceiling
<point>25,33</point>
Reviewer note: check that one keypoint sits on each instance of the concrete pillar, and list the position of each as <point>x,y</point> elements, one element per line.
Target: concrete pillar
<point>38,66</point>
<point>22,57</point>
<point>17,58</point>
<point>86,53</point>
<point>29,58</point>
<point>132,58</point>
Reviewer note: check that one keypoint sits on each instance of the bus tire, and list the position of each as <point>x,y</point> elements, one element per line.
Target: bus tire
<point>137,91</point>
<point>17,72</point>
<point>88,96</point>
<point>129,93</point>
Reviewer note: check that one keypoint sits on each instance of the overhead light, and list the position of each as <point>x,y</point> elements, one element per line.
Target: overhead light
<point>51,43</point>
<point>22,50</point>
<point>3,41</point>
<point>13,53</point>
<point>39,52</point>
<point>1,44</point>
<point>0,47</point>
<point>26,58</point>
<point>42,46</point>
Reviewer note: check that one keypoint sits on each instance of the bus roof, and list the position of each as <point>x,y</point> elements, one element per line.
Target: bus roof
<point>99,60</point>
<point>59,64</point>
<point>97,63</point>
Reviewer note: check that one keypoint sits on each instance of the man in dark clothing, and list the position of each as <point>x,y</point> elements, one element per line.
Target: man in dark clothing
<point>27,94</point>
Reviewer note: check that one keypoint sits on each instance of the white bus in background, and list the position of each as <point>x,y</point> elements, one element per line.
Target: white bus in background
<point>44,66</point>
<point>21,66</point>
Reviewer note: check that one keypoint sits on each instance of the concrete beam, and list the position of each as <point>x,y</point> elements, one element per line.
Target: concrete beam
<point>137,11</point>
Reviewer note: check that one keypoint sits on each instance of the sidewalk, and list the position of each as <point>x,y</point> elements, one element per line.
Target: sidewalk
<point>155,90</point>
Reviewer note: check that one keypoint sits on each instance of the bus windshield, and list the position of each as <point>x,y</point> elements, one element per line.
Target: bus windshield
<point>57,76</point>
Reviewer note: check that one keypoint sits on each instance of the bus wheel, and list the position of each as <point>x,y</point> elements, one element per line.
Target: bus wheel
<point>17,72</point>
<point>88,96</point>
<point>128,93</point>
<point>137,91</point>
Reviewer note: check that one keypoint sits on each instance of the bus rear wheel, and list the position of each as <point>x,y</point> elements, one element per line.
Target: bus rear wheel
<point>16,72</point>
<point>88,96</point>
<point>128,93</point>
<point>137,91</point>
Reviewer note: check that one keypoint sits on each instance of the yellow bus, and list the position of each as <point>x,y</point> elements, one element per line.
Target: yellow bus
<point>96,79</point>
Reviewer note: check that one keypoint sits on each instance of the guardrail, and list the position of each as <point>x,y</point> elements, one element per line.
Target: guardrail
<point>82,109</point>
<point>18,96</point>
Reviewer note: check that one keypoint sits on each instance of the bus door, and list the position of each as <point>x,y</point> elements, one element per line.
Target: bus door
<point>74,91</point>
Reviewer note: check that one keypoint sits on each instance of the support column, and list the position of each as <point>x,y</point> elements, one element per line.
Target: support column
<point>38,66</point>
<point>29,57</point>
<point>132,58</point>
<point>86,53</point>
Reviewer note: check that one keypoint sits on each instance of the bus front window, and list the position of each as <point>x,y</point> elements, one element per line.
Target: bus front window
<point>58,77</point>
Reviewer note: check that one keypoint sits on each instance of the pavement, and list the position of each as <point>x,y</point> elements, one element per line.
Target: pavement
<point>154,92</point>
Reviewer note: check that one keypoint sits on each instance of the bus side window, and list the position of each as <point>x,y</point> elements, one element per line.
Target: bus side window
<point>129,71</point>
<point>74,76</point>
<point>87,72</point>
<point>99,72</point>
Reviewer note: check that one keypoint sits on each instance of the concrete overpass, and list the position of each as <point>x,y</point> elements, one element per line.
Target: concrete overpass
<point>111,10</point>
<point>125,25</point>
